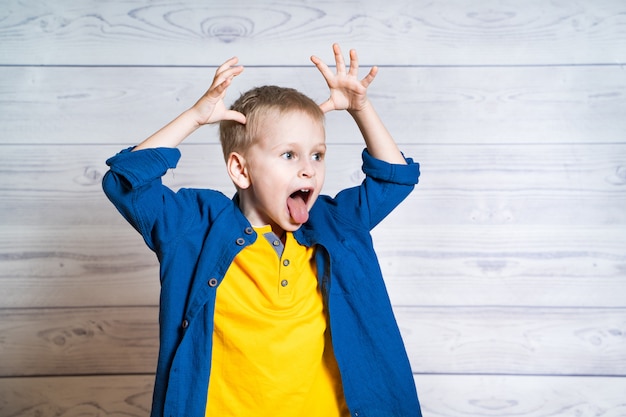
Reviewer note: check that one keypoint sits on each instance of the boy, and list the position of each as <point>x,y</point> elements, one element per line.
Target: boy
<point>272,303</point>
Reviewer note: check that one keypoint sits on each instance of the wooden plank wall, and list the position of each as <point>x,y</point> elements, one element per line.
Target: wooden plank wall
<point>506,266</point>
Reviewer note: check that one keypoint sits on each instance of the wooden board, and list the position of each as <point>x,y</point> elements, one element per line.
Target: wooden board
<point>398,32</point>
<point>542,266</point>
<point>87,341</point>
<point>506,265</point>
<point>447,265</point>
<point>113,396</point>
<point>440,395</point>
<point>487,225</point>
<point>515,340</point>
<point>479,185</point>
<point>536,396</point>
<point>440,340</point>
<point>516,105</point>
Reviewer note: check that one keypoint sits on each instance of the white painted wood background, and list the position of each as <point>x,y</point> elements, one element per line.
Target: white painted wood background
<point>506,266</point>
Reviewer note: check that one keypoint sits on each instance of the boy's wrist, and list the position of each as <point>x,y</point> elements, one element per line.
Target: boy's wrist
<point>362,111</point>
<point>193,116</point>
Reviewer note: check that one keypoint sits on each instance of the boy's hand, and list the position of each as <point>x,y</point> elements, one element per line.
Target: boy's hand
<point>346,91</point>
<point>211,108</point>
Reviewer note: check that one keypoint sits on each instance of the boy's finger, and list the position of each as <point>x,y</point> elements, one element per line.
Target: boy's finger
<point>322,67</point>
<point>327,106</point>
<point>341,65</point>
<point>229,72</point>
<point>235,116</point>
<point>223,79</point>
<point>354,63</point>
<point>369,77</point>
<point>227,68</point>
<point>228,63</point>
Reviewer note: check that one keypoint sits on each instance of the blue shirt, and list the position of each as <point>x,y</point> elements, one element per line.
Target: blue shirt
<point>196,234</point>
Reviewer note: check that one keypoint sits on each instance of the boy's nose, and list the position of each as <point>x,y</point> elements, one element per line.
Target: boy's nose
<point>306,169</point>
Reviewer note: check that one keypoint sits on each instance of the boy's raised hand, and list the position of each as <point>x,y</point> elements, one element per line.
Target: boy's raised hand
<point>347,92</point>
<point>210,108</point>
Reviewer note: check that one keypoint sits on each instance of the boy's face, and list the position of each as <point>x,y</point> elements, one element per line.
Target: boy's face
<point>285,171</point>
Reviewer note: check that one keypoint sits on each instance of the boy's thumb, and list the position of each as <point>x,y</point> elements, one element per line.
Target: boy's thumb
<point>235,116</point>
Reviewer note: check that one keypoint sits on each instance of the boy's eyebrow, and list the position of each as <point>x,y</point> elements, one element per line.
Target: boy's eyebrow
<point>297,144</point>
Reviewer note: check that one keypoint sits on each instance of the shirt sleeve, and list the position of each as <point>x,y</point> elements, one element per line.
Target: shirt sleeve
<point>133,184</point>
<point>142,167</point>
<point>400,174</point>
<point>385,186</point>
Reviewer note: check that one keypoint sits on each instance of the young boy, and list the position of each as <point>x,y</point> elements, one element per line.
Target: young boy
<point>272,303</point>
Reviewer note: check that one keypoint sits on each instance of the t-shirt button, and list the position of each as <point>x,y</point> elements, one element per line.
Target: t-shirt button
<point>248,230</point>
<point>213,282</point>
<point>284,283</point>
<point>241,241</point>
<point>185,323</point>
<point>286,262</point>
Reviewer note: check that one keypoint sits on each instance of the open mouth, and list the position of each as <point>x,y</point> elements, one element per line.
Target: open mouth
<point>297,205</point>
<point>303,194</point>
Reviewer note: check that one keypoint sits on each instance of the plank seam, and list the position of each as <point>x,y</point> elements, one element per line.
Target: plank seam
<point>363,65</point>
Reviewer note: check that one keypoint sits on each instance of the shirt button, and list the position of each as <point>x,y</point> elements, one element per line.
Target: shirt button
<point>185,323</point>
<point>286,262</point>
<point>276,243</point>
<point>212,282</point>
<point>241,241</point>
<point>284,283</point>
<point>248,230</point>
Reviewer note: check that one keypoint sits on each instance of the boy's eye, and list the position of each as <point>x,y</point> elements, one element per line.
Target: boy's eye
<point>288,155</point>
<point>318,156</point>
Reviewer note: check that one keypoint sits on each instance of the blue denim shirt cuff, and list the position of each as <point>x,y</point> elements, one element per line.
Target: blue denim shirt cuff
<point>143,166</point>
<point>395,173</point>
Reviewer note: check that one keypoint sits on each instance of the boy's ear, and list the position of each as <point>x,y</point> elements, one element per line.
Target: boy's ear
<point>238,170</point>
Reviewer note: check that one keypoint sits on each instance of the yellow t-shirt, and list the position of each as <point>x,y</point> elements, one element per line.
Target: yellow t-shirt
<point>271,350</point>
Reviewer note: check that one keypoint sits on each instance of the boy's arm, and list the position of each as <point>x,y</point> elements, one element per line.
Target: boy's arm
<point>348,93</point>
<point>210,108</point>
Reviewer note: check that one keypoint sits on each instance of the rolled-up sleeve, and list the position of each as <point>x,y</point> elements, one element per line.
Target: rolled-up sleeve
<point>384,187</point>
<point>396,173</point>
<point>133,184</point>
<point>142,167</point>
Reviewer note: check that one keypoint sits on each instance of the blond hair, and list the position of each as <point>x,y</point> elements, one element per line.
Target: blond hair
<point>258,104</point>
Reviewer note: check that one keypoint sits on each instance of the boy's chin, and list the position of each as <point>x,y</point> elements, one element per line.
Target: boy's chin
<point>280,228</point>
<point>292,227</point>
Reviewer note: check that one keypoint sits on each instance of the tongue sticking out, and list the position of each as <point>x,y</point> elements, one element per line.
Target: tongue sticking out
<point>297,208</point>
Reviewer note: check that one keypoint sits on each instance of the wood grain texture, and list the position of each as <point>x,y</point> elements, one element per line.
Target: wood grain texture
<point>486,225</point>
<point>511,267</point>
<point>436,266</point>
<point>515,341</point>
<point>506,266</point>
<point>113,396</point>
<point>517,105</point>
<point>477,185</point>
<point>87,341</point>
<point>398,32</point>
<point>440,395</point>
<point>440,340</point>
<point>76,266</point>
<point>468,395</point>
